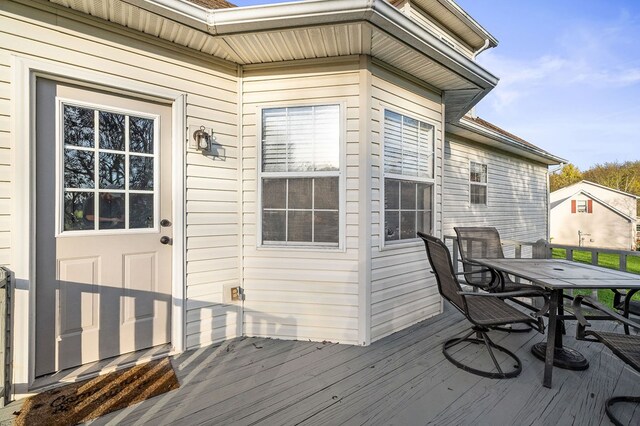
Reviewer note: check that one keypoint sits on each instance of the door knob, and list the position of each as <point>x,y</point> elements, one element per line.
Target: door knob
<point>165,240</point>
<point>165,222</point>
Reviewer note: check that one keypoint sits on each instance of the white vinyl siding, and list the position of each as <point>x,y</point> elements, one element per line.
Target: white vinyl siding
<point>431,25</point>
<point>302,292</point>
<point>402,290</point>
<point>518,202</point>
<point>52,33</point>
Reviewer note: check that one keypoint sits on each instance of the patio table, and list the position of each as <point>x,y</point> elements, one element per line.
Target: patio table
<point>557,275</point>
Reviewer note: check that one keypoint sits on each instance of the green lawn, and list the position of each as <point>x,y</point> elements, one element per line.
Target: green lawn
<point>611,261</point>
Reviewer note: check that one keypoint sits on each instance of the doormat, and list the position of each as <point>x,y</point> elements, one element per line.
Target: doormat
<point>83,401</point>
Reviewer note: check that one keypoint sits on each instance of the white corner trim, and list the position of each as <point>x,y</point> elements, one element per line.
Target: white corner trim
<point>22,126</point>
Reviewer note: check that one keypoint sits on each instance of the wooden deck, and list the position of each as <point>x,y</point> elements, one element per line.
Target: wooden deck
<point>401,380</point>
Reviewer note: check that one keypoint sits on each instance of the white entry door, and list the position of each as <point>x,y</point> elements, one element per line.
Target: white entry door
<point>103,225</point>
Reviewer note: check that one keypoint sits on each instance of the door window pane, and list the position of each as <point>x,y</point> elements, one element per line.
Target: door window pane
<point>141,135</point>
<point>111,172</point>
<point>111,131</point>
<point>141,172</point>
<point>79,169</point>
<point>111,208</point>
<point>79,126</point>
<point>141,211</point>
<point>75,205</point>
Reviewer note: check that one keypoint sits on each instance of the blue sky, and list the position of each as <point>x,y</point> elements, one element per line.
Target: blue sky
<point>569,74</point>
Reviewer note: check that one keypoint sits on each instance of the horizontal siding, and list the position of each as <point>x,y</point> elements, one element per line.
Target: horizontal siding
<point>50,33</point>
<point>517,192</point>
<point>300,294</point>
<point>430,24</point>
<point>402,290</point>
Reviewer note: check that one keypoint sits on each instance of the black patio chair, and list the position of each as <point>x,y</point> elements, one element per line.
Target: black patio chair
<point>625,346</point>
<point>483,310</point>
<point>623,302</point>
<point>484,242</point>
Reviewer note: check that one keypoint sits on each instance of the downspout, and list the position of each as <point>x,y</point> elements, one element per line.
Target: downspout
<point>484,47</point>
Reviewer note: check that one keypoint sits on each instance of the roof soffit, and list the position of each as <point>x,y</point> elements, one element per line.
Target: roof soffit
<point>452,17</point>
<point>284,32</point>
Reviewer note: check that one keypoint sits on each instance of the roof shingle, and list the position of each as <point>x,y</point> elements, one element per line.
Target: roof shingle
<point>213,4</point>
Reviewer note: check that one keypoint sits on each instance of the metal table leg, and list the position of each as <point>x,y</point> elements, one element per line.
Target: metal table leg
<point>552,351</point>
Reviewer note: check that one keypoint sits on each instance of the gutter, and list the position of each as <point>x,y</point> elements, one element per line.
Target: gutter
<point>484,47</point>
<point>221,22</point>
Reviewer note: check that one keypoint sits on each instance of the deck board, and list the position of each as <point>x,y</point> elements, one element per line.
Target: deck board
<point>402,379</point>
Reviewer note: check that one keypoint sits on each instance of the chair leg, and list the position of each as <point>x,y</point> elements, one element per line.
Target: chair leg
<point>609,403</point>
<point>482,339</point>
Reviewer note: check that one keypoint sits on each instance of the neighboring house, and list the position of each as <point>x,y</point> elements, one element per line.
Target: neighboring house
<point>590,215</point>
<point>255,171</point>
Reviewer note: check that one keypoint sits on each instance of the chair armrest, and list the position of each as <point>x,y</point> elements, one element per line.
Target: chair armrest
<point>582,321</point>
<point>627,301</point>
<point>496,281</point>
<point>518,293</point>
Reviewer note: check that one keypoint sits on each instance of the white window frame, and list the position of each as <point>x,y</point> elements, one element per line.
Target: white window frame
<point>340,174</point>
<point>484,184</point>
<point>60,188</point>
<point>384,175</point>
<point>582,206</point>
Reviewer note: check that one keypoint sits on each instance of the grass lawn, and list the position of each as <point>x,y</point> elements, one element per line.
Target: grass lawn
<point>611,261</point>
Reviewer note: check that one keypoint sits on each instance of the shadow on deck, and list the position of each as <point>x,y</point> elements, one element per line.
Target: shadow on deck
<point>402,379</point>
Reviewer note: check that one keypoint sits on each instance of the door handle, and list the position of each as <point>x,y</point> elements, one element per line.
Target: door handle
<point>165,222</point>
<point>165,240</point>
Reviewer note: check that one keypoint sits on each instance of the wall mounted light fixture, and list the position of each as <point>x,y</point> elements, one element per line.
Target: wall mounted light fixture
<point>205,142</point>
<point>201,140</point>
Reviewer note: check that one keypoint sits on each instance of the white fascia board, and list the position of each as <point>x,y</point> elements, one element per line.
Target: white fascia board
<point>505,141</point>
<point>617,191</point>
<point>241,20</point>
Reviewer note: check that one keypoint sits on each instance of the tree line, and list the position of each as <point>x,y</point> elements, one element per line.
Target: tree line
<point>621,176</point>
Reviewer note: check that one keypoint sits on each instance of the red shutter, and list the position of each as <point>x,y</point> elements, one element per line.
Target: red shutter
<point>590,206</point>
<point>573,206</point>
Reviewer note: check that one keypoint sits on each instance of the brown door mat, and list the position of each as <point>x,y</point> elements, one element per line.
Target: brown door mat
<point>83,401</point>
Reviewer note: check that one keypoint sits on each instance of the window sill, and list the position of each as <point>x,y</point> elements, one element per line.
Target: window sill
<point>401,244</point>
<point>301,248</point>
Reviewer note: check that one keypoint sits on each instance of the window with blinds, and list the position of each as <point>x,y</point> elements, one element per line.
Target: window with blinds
<point>477,183</point>
<point>300,175</point>
<point>408,176</point>
<point>408,146</point>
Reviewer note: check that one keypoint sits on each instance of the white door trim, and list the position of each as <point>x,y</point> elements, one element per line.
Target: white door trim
<point>25,71</point>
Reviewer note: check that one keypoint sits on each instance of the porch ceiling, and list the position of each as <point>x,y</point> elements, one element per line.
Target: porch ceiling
<point>285,32</point>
